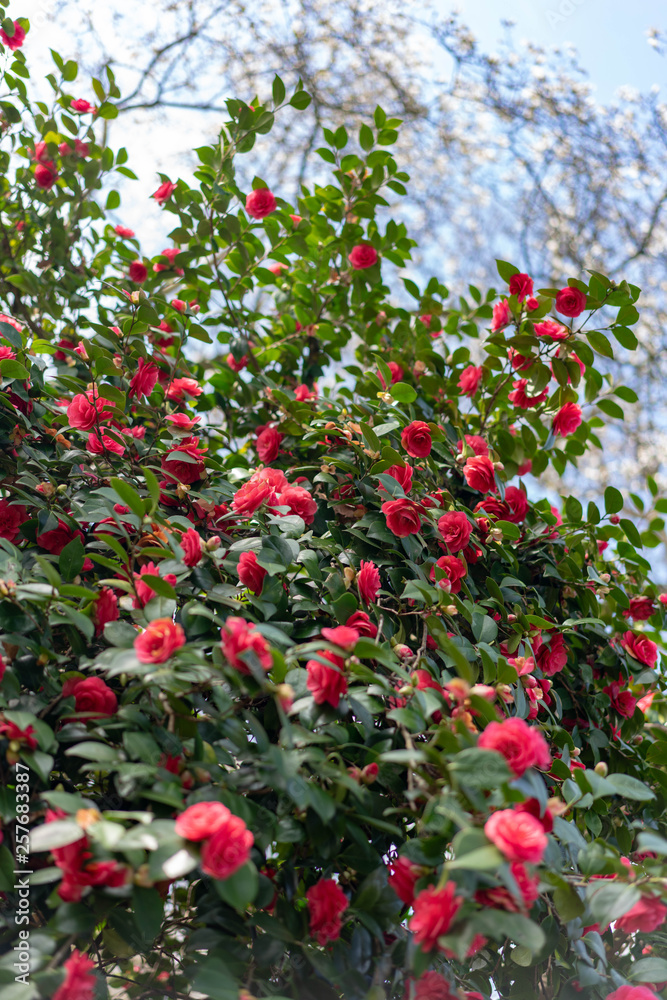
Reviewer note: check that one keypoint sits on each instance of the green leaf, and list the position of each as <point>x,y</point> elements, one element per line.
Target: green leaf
<point>484,858</point>
<point>568,903</point>
<point>573,509</point>
<point>107,110</point>
<point>148,912</point>
<point>477,768</point>
<point>59,833</point>
<point>610,901</point>
<point>278,90</point>
<point>600,343</point>
<point>611,408</point>
<point>649,970</point>
<point>630,788</point>
<point>484,628</point>
<point>402,392</point>
<point>613,500</point>
<point>128,496</point>
<point>240,889</point>
<point>71,559</point>
<point>366,140</point>
<point>506,270</point>
<point>10,368</point>
<point>300,100</point>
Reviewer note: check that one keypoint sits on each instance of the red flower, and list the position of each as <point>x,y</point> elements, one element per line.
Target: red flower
<point>181,471</point>
<point>14,733</point>
<point>45,174</point>
<point>434,912</point>
<point>82,106</point>
<point>252,495</point>
<point>551,658</point>
<point>645,916</point>
<point>640,648</point>
<point>54,541</point>
<point>622,702</point>
<point>227,849</point>
<point>326,904</point>
<point>164,192</point>
<point>455,529</point>
<point>454,570</point>
<point>567,419</point>
<point>521,745</point>
<point>239,637</point>
<point>326,684</point>
<point>553,329</point>
<point>521,285</point>
<point>180,387</point>
<point>251,574</point>
<point>500,898</point>
<point>267,444</point>
<point>362,624</point>
<point>570,302</point>
<point>105,609</point>
<point>260,203</point>
<point>517,835</point>
<point>501,315</point>
<point>480,474</point>
<point>430,986</point>
<point>404,517</point>
<point>159,641</point>
<point>403,877</point>
<point>123,232</point>
<point>91,695</point>
<point>201,820</point>
<point>14,41</point>
<point>641,609</point>
<point>362,256</point>
<point>190,542</point>
<point>368,581</point>
<point>12,516</point>
<point>402,474</point>
<point>237,366</point>
<point>143,591</point>
<point>299,501</point>
<point>633,993</point>
<point>478,445</point>
<point>521,399</point>
<point>470,380</point>
<point>143,382</point>
<point>396,371</point>
<point>98,444</point>
<point>137,271</point>
<point>416,439</point>
<point>342,636</point>
<point>79,982</point>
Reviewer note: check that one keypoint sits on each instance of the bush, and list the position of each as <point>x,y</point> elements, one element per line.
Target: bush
<point>300,697</point>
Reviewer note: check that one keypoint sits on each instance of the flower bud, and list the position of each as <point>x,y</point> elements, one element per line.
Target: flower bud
<point>601,768</point>
<point>614,519</point>
<point>213,543</point>
<point>87,817</point>
<point>285,695</point>
<point>499,466</point>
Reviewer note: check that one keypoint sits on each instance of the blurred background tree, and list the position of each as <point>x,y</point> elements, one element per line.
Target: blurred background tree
<point>510,154</point>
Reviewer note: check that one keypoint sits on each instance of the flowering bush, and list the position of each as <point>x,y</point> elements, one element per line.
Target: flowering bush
<point>312,700</point>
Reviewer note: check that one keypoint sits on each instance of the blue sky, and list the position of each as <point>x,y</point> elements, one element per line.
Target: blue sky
<point>610,35</point>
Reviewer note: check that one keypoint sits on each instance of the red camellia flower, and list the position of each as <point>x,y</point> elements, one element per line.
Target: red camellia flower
<point>12,732</point>
<point>14,41</point>
<point>159,641</point>
<point>252,495</point>
<point>455,529</point>
<point>397,374</point>
<point>251,574</point>
<point>553,329</point>
<point>54,541</point>
<point>260,203</point>
<point>521,285</point>
<point>521,745</point>
<point>368,581</point>
<point>45,174</point>
<point>179,388</point>
<point>91,695</point>
<point>326,904</point>
<point>402,474</point>
<point>299,501</point>
<point>190,542</point>
<point>362,623</point>
<point>567,419</point>
<point>622,701</point>
<point>143,381</point>
<point>454,571</point>
<point>570,302</point>
<point>98,444</point>
<point>480,474</point>
<point>201,820</point>
<point>404,517</point>
<point>105,609</point>
<point>641,609</point>
<point>267,444</point>
<point>640,648</point>
<point>430,986</point>
<point>470,380</point>
<point>403,876</point>
<point>645,916</point>
<point>239,637</point>
<point>434,913</point>
<point>164,192</point>
<point>227,849</point>
<point>82,106</point>
<point>477,443</point>
<point>79,982</point>
<point>551,658</point>
<point>178,470</point>
<point>123,232</point>
<point>416,439</point>
<point>517,835</point>
<point>342,636</point>
<point>501,315</point>
<point>137,271</point>
<point>633,993</point>
<point>12,516</point>
<point>520,397</point>
<point>143,591</point>
<point>500,898</point>
<point>362,256</point>
<point>326,684</point>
